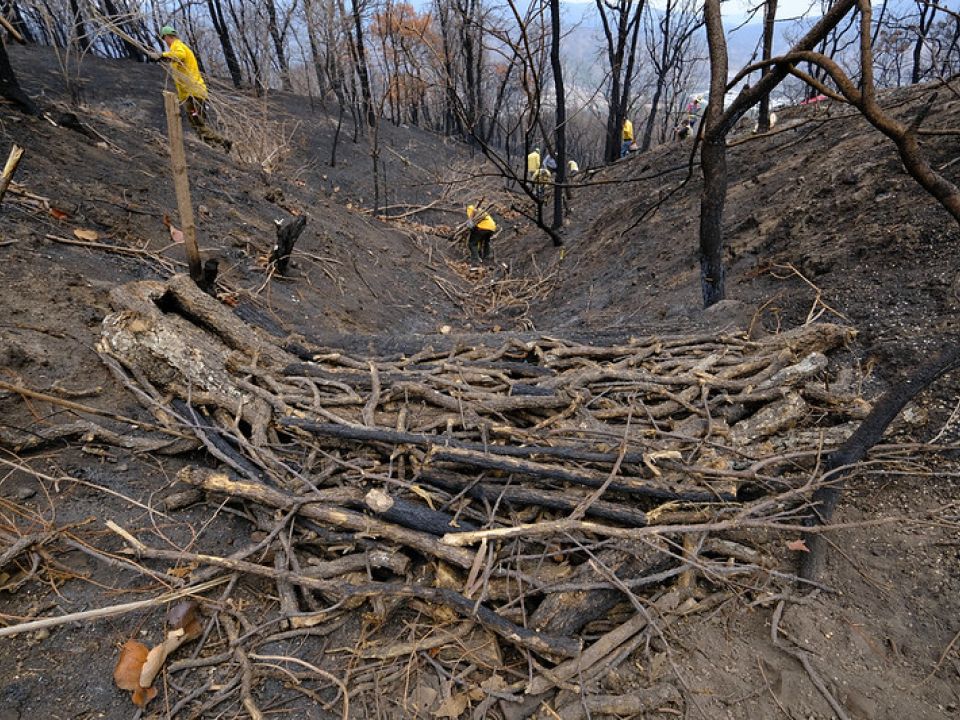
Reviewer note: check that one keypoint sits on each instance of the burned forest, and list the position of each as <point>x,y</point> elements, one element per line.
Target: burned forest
<point>456,359</point>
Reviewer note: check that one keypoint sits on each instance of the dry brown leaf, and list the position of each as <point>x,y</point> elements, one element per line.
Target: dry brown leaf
<point>127,672</point>
<point>84,234</point>
<point>421,698</point>
<point>141,696</point>
<point>158,655</point>
<point>183,571</point>
<point>798,546</point>
<point>453,706</point>
<point>59,214</point>
<point>175,234</point>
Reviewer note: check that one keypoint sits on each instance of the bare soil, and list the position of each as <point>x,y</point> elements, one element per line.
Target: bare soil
<point>821,220</point>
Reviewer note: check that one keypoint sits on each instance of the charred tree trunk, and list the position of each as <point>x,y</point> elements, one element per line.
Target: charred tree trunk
<point>223,32</point>
<point>10,88</point>
<point>560,134</point>
<point>287,235</point>
<point>277,38</point>
<point>713,158</point>
<point>362,64</point>
<point>769,18</point>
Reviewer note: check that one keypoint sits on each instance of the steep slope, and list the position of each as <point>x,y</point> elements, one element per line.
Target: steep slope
<point>824,197</point>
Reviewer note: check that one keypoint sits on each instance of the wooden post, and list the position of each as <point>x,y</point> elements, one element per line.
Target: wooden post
<point>181,183</point>
<point>13,160</point>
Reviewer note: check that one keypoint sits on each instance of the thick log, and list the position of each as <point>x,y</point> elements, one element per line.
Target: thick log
<point>181,184</point>
<point>337,517</point>
<point>10,168</point>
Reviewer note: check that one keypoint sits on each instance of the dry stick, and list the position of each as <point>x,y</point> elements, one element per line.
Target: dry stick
<point>246,669</point>
<point>70,405</point>
<point>538,642</point>
<point>13,160</point>
<point>181,184</point>
<point>110,610</point>
<point>8,26</point>
<point>801,657</point>
<point>257,492</point>
<point>632,485</point>
<point>322,673</point>
<point>367,434</point>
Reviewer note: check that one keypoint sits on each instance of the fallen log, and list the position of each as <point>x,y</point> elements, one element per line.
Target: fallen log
<point>566,613</point>
<point>414,515</point>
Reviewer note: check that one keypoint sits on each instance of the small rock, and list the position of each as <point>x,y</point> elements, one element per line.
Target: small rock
<point>25,492</point>
<point>41,634</point>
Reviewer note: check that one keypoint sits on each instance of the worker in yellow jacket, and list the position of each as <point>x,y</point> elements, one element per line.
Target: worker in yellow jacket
<point>533,163</point>
<point>191,89</point>
<point>626,137</point>
<point>482,228</point>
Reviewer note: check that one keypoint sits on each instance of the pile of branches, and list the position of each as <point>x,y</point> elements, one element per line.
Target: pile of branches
<point>524,497</point>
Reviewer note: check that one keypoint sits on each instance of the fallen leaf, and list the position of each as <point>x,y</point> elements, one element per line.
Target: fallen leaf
<point>141,696</point>
<point>59,214</point>
<point>127,672</point>
<point>453,706</point>
<point>158,655</point>
<point>84,234</point>
<point>798,546</point>
<point>421,698</point>
<point>175,233</point>
<point>181,572</point>
<point>494,683</point>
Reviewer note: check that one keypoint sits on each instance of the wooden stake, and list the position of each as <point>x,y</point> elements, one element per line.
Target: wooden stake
<point>13,160</point>
<point>181,184</point>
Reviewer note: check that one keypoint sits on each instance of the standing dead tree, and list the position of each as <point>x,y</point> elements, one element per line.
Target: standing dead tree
<point>621,29</point>
<point>719,121</point>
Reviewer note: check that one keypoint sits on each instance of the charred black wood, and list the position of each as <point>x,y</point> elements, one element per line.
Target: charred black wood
<point>213,437</point>
<point>10,88</point>
<point>566,613</point>
<point>417,516</point>
<point>287,235</point>
<point>366,434</point>
<point>208,277</point>
<point>839,462</point>
<point>631,485</point>
<point>520,495</point>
